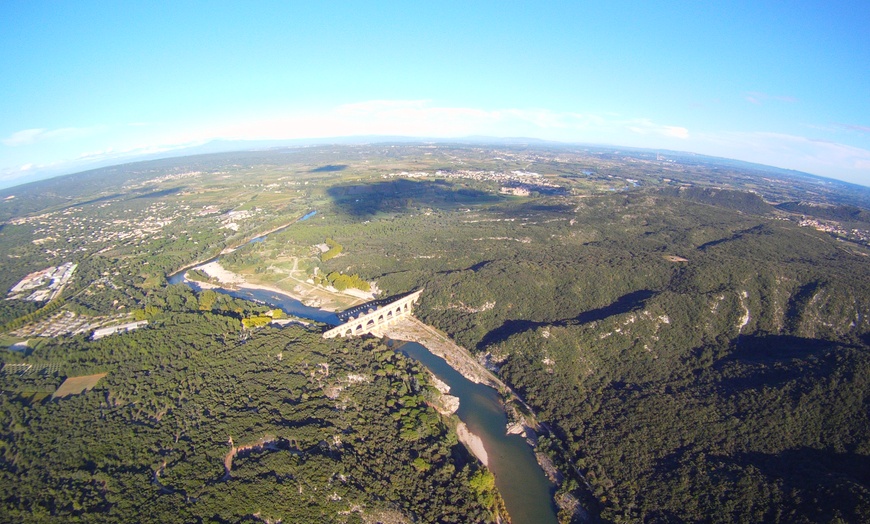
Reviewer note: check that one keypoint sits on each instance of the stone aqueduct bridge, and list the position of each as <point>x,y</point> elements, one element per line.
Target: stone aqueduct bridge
<point>366,322</point>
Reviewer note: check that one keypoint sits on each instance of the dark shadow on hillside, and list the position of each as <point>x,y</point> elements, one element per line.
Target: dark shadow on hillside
<point>85,202</point>
<point>811,465</point>
<point>363,200</point>
<point>757,362</point>
<point>799,301</point>
<point>95,200</point>
<point>759,230</point>
<point>536,207</point>
<point>329,168</point>
<point>817,483</point>
<point>829,483</point>
<point>624,304</point>
<point>474,269</point>
<point>537,211</point>
<point>159,194</point>
<point>779,348</point>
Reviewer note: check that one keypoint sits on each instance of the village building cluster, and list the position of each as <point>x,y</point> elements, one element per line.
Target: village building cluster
<point>75,231</point>
<point>231,219</point>
<point>123,328</point>
<point>834,228</point>
<point>68,323</point>
<point>524,180</point>
<point>44,285</point>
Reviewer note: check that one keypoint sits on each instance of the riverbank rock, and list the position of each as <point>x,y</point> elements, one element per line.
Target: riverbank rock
<point>447,405</point>
<point>516,428</point>
<point>549,468</point>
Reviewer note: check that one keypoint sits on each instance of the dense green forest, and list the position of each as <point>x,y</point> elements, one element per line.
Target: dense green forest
<point>731,386</point>
<point>696,361</point>
<point>323,431</point>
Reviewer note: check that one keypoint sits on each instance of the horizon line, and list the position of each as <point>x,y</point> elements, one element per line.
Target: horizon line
<point>190,150</point>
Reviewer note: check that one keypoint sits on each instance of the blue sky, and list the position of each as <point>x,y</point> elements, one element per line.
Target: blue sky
<point>780,83</point>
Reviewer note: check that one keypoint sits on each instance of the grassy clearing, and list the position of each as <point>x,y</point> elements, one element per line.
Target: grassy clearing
<point>7,341</point>
<point>77,385</point>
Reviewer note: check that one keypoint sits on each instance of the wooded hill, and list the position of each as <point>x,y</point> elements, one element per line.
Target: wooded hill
<point>199,420</point>
<point>697,362</point>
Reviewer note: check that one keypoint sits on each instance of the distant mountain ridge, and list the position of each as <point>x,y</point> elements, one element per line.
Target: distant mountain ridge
<point>227,146</point>
<point>66,189</point>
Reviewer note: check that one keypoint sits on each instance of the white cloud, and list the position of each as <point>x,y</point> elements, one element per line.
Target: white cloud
<point>799,147</point>
<point>377,106</point>
<point>100,153</point>
<point>32,136</point>
<point>415,118</point>
<point>423,118</point>
<point>644,126</point>
<point>10,174</point>
<point>855,127</point>
<point>26,136</point>
<point>801,153</point>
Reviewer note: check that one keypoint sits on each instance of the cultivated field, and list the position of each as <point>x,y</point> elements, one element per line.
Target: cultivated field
<point>77,385</point>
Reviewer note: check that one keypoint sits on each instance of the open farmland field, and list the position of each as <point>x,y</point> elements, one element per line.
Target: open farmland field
<point>77,385</point>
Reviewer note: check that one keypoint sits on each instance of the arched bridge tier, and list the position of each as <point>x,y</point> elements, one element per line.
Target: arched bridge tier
<point>366,322</point>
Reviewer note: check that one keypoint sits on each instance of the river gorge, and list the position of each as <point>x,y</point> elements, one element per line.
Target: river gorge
<point>526,490</point>
<point>522,483</point>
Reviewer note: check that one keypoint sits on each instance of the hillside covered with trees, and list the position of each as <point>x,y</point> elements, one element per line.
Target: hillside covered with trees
<point>693,336</point>
<point>198,420</point>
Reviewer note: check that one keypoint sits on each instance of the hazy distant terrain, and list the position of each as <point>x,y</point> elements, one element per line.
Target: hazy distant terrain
<point>694,331</point>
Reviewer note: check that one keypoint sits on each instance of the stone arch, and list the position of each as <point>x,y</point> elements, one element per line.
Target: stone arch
<point>347,333</point>
<point>359,328</point>
<point>370,324</point>
<point>381,319</point>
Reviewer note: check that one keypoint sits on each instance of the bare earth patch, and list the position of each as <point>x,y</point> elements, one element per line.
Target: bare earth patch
<point>675,258</point>
<point>77,385</point>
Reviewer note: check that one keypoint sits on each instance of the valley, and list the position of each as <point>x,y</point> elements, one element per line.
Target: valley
<point>691,337</point>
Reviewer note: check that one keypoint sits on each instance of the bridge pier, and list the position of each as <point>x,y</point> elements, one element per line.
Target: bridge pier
<point>365,323</point>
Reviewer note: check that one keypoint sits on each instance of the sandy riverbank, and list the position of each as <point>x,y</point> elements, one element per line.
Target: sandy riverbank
<point>216,271</point>
<point>459,358</point>
<point>472,442</point>
<point>223,277</point>
<point>448,405</point>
